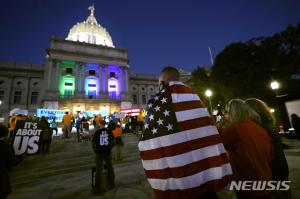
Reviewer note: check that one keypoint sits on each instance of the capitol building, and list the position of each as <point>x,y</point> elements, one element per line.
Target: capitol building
<point>85,72</point>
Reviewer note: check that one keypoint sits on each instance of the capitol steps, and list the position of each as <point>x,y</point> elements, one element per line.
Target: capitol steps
<point>67,156</point>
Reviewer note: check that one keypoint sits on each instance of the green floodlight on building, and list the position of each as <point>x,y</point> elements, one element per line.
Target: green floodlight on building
<point>67,85</point>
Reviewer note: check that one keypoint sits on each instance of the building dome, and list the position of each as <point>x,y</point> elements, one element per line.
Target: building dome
<point>90,31</point>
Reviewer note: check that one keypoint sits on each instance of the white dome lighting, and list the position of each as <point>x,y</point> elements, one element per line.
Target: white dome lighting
<point>90,31</point>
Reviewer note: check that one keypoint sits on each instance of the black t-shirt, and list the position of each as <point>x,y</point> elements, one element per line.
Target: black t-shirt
<point>103,141</point>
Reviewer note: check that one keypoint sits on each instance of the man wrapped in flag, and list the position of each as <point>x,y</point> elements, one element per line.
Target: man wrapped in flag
<point>181,150</point>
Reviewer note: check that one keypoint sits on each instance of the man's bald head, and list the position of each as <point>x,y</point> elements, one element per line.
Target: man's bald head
<point>168,74</point>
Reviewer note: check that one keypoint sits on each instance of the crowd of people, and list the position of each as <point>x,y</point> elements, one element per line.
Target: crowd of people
<point>247,130</point>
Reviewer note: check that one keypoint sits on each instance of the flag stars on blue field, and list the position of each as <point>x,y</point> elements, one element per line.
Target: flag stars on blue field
<point>166,113</point>
<point>154,130</point>
<point>170,127</point>
<point>146,126</point>
<point>160,121</point>
<point>157,108</point>
<point>151,117</point>
<point>163,100</point>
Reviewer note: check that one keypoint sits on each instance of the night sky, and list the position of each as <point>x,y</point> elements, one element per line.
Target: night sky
<point>156,33</point>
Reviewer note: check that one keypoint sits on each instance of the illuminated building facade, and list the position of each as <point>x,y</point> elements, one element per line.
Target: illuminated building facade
<point>86,71</point>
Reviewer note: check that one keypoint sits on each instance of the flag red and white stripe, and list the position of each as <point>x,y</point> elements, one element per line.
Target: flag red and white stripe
<point>190,161</point>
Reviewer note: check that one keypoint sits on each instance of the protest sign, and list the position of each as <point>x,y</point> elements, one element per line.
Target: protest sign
<point>26,137</point>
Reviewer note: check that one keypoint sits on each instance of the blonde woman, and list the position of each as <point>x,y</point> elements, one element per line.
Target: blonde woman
<point>280,170</point>
<point>249,147</point>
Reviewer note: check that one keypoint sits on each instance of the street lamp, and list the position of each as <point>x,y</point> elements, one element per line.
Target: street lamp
<point>0,102</point>
<point>275,86</point>
<point>208,93</point>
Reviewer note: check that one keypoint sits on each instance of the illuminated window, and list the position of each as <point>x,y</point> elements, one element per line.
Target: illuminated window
<point>92,72</point>
<point>134,99</point>
<point>92,94</point>
<point>17,97</point>
<point>68,92</point>
<point>69,70</point>
<point>67,85</point>
<point>34,97</point>
<point>112,74</point>
<point>144,99</point>
<point>113,88</point>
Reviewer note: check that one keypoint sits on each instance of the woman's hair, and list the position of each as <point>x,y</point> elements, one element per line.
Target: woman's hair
<point>238,111</point>
<point>262,109</point>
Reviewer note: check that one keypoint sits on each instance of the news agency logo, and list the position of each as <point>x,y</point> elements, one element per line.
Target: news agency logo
<point>260,185</point>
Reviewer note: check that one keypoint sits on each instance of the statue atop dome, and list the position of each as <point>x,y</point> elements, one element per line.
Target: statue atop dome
<point>92,9</point>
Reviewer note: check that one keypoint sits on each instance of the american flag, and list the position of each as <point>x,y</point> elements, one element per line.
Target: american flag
<point>181,150</point>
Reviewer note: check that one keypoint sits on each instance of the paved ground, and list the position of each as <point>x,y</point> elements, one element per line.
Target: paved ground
<point>66,173</point>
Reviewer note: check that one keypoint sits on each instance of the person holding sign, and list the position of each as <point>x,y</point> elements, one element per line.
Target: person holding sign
<point>102,144</point>
<point>117,133</point>
<point>67,126</point>
<point>46,135</point>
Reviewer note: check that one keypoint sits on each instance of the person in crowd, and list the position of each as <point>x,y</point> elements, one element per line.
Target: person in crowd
<point>180,148</point>
<point>53,126</point>
<point>117,133</point>
<point>296,124</point>
<point>140,122</point>
<point>85,124</point>
<point>280,169</point>
<point>46,137</point>
<point>126,125</point>
<point>102,143</point>
<point>13,123</point>
<point>249,147</point>
<point>67,126</point>
<point>7,160</point>
<point>78,126</point>
<point>98,119</point>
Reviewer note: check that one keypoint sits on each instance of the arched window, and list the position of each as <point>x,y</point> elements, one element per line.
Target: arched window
<point>134,99</point>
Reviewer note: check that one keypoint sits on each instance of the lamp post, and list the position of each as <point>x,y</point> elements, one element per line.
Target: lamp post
<point>208,93</point>
<point>275,86</point>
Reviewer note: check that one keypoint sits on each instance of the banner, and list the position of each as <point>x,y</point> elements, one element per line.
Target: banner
<point>50,114</point>
<point>26,138</point>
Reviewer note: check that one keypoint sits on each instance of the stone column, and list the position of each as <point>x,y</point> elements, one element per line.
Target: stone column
<point>48,74</point>
<point>77,79</point>
<point>106,78</point>
<point>82,79</point>
<point>100,79</point>
<point>57,76</point>
<point>121,83</point>
<point>105,82</point>
<point>127,78</point>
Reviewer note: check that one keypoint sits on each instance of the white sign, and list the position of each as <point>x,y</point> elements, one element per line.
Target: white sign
<point>50,114</point>
<point>119,115</point>
<point>51,104</point>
